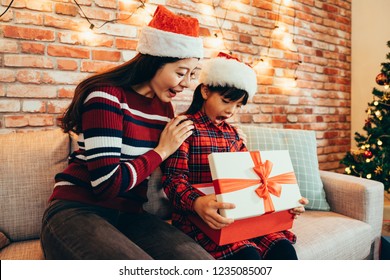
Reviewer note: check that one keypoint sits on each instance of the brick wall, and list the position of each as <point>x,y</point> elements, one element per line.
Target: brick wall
<point>44,54</point>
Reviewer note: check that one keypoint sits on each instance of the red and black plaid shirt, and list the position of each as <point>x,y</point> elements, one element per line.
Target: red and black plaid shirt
<point>189,165</point>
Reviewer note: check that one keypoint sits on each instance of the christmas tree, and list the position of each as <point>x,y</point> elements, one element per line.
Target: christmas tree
<point>371,160</point>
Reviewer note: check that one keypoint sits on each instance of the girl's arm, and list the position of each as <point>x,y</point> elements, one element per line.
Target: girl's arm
<point>175,180</point>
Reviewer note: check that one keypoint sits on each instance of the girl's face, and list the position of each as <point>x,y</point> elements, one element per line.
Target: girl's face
<point>217,107</point>
<point>173,78</point>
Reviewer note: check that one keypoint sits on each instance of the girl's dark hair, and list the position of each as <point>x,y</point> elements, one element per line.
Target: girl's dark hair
<point>140,69</point>
<point>230,93</point>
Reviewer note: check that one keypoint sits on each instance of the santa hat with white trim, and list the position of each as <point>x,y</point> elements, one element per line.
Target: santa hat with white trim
<point>226,70</point>
<point>171,35</point>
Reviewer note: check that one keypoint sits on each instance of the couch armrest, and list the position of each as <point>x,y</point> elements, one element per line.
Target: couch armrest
<point>355,197</point>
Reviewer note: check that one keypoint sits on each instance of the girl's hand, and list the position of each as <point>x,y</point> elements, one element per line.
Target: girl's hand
<point>173,135</point>
<point>301,209</point>
<point>207,208</point>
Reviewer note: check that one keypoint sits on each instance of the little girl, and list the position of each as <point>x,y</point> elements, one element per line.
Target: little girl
<point>226,84</point>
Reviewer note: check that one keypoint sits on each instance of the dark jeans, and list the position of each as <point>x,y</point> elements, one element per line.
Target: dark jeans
<point>72,230</point>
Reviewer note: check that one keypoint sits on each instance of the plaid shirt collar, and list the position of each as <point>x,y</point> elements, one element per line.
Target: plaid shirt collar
<point>201,118</point>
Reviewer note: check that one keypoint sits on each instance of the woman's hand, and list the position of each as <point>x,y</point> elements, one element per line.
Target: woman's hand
<point>301,209</point>
<point>207,208</point>
<point>173,135</point>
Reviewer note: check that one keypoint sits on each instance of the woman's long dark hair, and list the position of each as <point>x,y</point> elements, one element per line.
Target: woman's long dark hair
<point>140,69</point>
<point>230,93</point>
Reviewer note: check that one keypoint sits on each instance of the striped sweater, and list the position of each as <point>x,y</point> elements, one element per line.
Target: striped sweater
<point>120,129</point>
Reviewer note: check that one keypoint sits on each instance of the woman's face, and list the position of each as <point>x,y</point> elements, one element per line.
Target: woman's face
<point>218,108</point>
<point>173,78</point>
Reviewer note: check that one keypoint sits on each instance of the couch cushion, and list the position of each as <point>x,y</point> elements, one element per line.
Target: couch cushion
<point>4,241</point>
<point>302,146</point>
<point>29,162</point>
<point>24,250</point>
<point>323,235</point>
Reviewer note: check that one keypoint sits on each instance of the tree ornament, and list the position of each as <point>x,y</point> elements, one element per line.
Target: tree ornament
<point>381,79</point>
<point>367,123</point>
<point>368,154</point>
<point>378,170</point>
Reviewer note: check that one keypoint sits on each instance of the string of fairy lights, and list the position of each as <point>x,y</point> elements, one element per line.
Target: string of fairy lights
<point>259,62</point>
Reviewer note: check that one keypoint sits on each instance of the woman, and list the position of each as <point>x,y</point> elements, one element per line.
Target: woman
<point>123,121</point>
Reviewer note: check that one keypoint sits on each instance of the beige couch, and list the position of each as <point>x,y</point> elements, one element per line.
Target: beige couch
<point>349,230</point>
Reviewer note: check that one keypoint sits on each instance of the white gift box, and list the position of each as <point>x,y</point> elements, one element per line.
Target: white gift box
<point>256,182</point>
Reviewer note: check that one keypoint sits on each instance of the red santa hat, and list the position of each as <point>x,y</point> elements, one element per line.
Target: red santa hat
<point>171,35</point>
<point>226,70</point>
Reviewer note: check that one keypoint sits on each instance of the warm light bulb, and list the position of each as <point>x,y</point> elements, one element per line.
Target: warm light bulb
<point>288,42</point>
<point>369,176</point>
<point>146,14</point>
<point>348,170</point>
<point>378,113</point>
<point>379,142</point>
<point>368,160</point>
<point>279,30</point>
<point>290,83</point>
<point>262,64</point>
<point>376,103</point>
<point>88,34</point>
<point>215,42</point>
<point>207,10</point>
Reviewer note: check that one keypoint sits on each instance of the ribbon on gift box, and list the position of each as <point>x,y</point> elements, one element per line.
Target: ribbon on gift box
<point>268,185</point>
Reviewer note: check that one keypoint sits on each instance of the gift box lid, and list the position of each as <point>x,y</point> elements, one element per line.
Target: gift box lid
<point>256,182</point>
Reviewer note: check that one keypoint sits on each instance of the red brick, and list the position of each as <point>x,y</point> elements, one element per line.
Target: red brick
<point>42,6</point>
<point>28,18</point>
<point>8,46</point>
<point>34,106</point>
<point>31,91</point>
<point>111,4</point>
<point>28,61</point>
<point>106,55</point>
<point>125,44</point>
<point>67,64</point>
<point>67,51</point>
<point>96,66</point>
<point>40,120</point>
<point>9,105</point>
<point>7,75</point>
<point>64,9</point>
<point>61,22</point>
<point>16,121</point>
<point>58,106</point>
<point>65,92</point>
<point>29,76</point>
<point>33,48</point>
<point>28,33</point>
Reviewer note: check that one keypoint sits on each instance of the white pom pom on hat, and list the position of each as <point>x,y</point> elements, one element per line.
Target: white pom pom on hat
<point>226,70</point>
<point>171,35</point>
